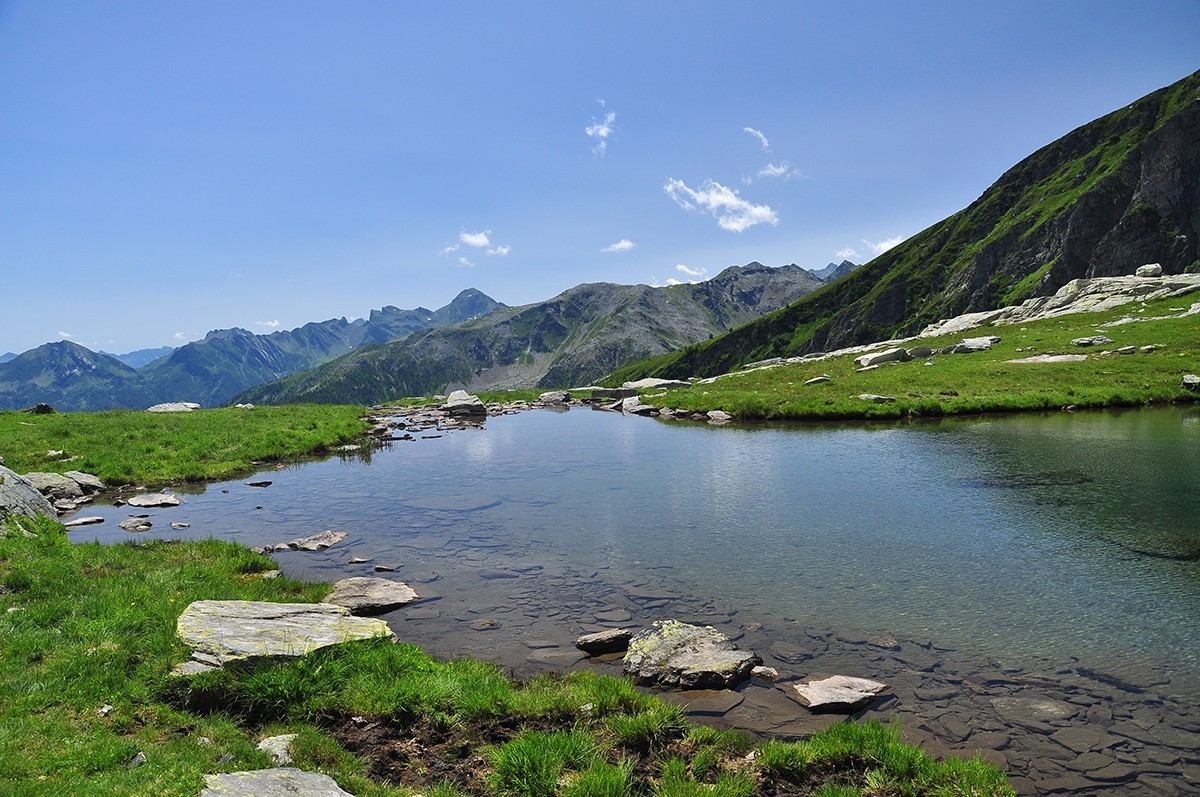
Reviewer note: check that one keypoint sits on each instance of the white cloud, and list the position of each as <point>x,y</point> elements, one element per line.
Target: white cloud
<point>673,281</point>
<point>476,239</point>
<point>882,246</point>
<point>785,170</point>
<point>623,245</point>
<point>180,336</point>
<point>601,130</point>
<point>691,272</point>
<point>725,204</point>
<point>465,262</point>
<point>499,250</point>
<point>847,253</point>
<point>65,335</point>
<point>758,134</point>
<point>271,324</point>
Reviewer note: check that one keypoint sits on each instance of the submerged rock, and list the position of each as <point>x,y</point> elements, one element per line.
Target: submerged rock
<point>136,524</point>
<point>838,694</point>
<point>675,654</point>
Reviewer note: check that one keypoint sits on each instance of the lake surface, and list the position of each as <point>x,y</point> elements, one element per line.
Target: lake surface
<point>1061,546</point>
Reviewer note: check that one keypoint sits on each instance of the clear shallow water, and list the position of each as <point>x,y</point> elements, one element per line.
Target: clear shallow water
<point>1052,536</point>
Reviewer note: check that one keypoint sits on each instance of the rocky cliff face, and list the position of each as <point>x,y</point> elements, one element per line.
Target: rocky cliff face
<point>1118,192</point>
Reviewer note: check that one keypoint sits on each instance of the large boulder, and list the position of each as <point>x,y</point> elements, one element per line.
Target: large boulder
<point>220,632</point>
<point>685,656</point>
<point>55,486</point>
<point>460,402</point>
<point>19,497</point>
<point>280,782</point>
<point>366,595</point>
<point>896,355</point>
<point>612,640</point>
<point>1149,270</point>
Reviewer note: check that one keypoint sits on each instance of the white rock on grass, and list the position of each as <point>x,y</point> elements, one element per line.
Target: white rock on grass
<point>282,782</point>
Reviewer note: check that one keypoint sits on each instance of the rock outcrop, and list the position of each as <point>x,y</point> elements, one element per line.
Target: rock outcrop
<point>679,655</point>
<point>19,497</point>
<point>281,782</point>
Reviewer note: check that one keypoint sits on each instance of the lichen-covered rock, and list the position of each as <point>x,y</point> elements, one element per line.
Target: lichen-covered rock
<point>366,595</point>
<point>282,782</point>
<point>680,655</point>
<point>19,497</point>
<point>220,632</point>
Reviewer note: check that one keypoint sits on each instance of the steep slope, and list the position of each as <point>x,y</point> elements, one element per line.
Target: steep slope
<point>1116,193</point>
<point>67,376</point>
<point>572,339</point>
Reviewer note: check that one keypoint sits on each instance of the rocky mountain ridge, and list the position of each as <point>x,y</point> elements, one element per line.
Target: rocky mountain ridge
<point>1115,193</point>
<point>571,339</point>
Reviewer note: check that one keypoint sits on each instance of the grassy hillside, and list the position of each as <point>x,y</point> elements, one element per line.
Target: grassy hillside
<point>1119,192</point>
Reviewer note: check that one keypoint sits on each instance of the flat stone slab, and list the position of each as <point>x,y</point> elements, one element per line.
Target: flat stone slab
<point>174,406</point>
<point>154,499</point>
<point>315,542</point>
<point>282,782</point>
<point>1033,707</point>
<point>365,595</point>
<point>220,632</point>
<point>685,656</point>
<point>75,523</point>
<point>1051,358</point>
<point>839,694</point>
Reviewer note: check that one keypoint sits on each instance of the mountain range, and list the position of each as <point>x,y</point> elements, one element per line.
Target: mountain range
<point>572,339</point>
<point>1114,194</point>
<point>213,370</point>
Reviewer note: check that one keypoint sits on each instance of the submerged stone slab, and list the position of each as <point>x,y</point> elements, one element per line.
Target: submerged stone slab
<point>839,694</point>
<point>220,632</point>
<point>365,595</point>
<point>685,656</point>
<point>282,782</point>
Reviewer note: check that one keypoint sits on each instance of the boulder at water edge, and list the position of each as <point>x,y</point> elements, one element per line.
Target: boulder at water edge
<point>675,654</point>
<point>19,497</point>
<point>282,782</point>
<point>460,402</point>
<point>55,486</point>
<point>366,595</point>
<point>220,632</point>
<point>315,542</point>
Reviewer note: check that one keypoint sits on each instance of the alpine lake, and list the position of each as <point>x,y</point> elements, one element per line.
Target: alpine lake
<point>1028,585</point>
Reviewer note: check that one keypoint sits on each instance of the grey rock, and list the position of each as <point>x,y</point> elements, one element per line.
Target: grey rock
<point>55,486</point>
<point>314,542</point>
<point>1149,270</point>
<point>972,345</point>
<point>1092,340</point>
<point>633,406</point>
<point>893,355</point>
<point>718,416</point>
<point>818,380</point>
<point>874,399</point>
<point>652,383</point>
<point>765,673</point>
<point>282,782</point>
<point>19,497</point>
<point>555,397</point>
<point>75,523</point>
<point>278,747</point>
<point>1033,707</point>
<point>220,632</point>
<point>1190,382</point>
<point>1051,358</point>
<point>364,595</point>
<point>174,406</point>
<point>838,694</point>
<point>460,402</point>
<point>136,524</point>
<point>613,392</point>
<point>917,352</point>
<point>155,499</point>
<point>87,482</point>
<point>613,640</point>
<point>675,654</point>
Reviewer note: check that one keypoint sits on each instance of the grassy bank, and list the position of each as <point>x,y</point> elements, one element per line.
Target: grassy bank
<point>978,382</point>
<point>123,447</point>
<point>87,642</point>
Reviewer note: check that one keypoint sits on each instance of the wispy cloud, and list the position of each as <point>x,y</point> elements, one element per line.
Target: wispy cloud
<point>600,130</point>
<point>465,262</point>
<point>65,335</point>
<point>766,145</point>
<point>623,245</point>
<point>271,324</point>
<point>847,253</point>
<point>783,169</point>
<point>882,246</point>
<point>691,272</point>
<point>499,250</point>
<point>180,336</point>
<point>477,240</point>
<point>725,204</point>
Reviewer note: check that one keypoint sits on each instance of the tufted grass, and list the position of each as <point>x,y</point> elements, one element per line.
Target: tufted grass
<point>126,447</point>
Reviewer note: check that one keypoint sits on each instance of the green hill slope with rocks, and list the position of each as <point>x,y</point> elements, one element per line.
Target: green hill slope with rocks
<point>1112,195</point>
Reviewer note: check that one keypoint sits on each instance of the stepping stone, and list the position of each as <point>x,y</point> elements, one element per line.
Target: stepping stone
<point>316,542</point>
<point>220,632</point>
<point>839,694</point>
<point>154,499</point>
<point>362,595</point>
<point>284,782</point>
<point>83,521</point>
<point>136,524</point>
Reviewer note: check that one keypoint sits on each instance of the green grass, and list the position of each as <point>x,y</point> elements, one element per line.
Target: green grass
<point>978,382</point>
<point>93,626</point>
<point>125,447</point>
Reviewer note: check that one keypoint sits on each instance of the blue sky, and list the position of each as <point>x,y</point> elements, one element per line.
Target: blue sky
<point>171,168</point>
